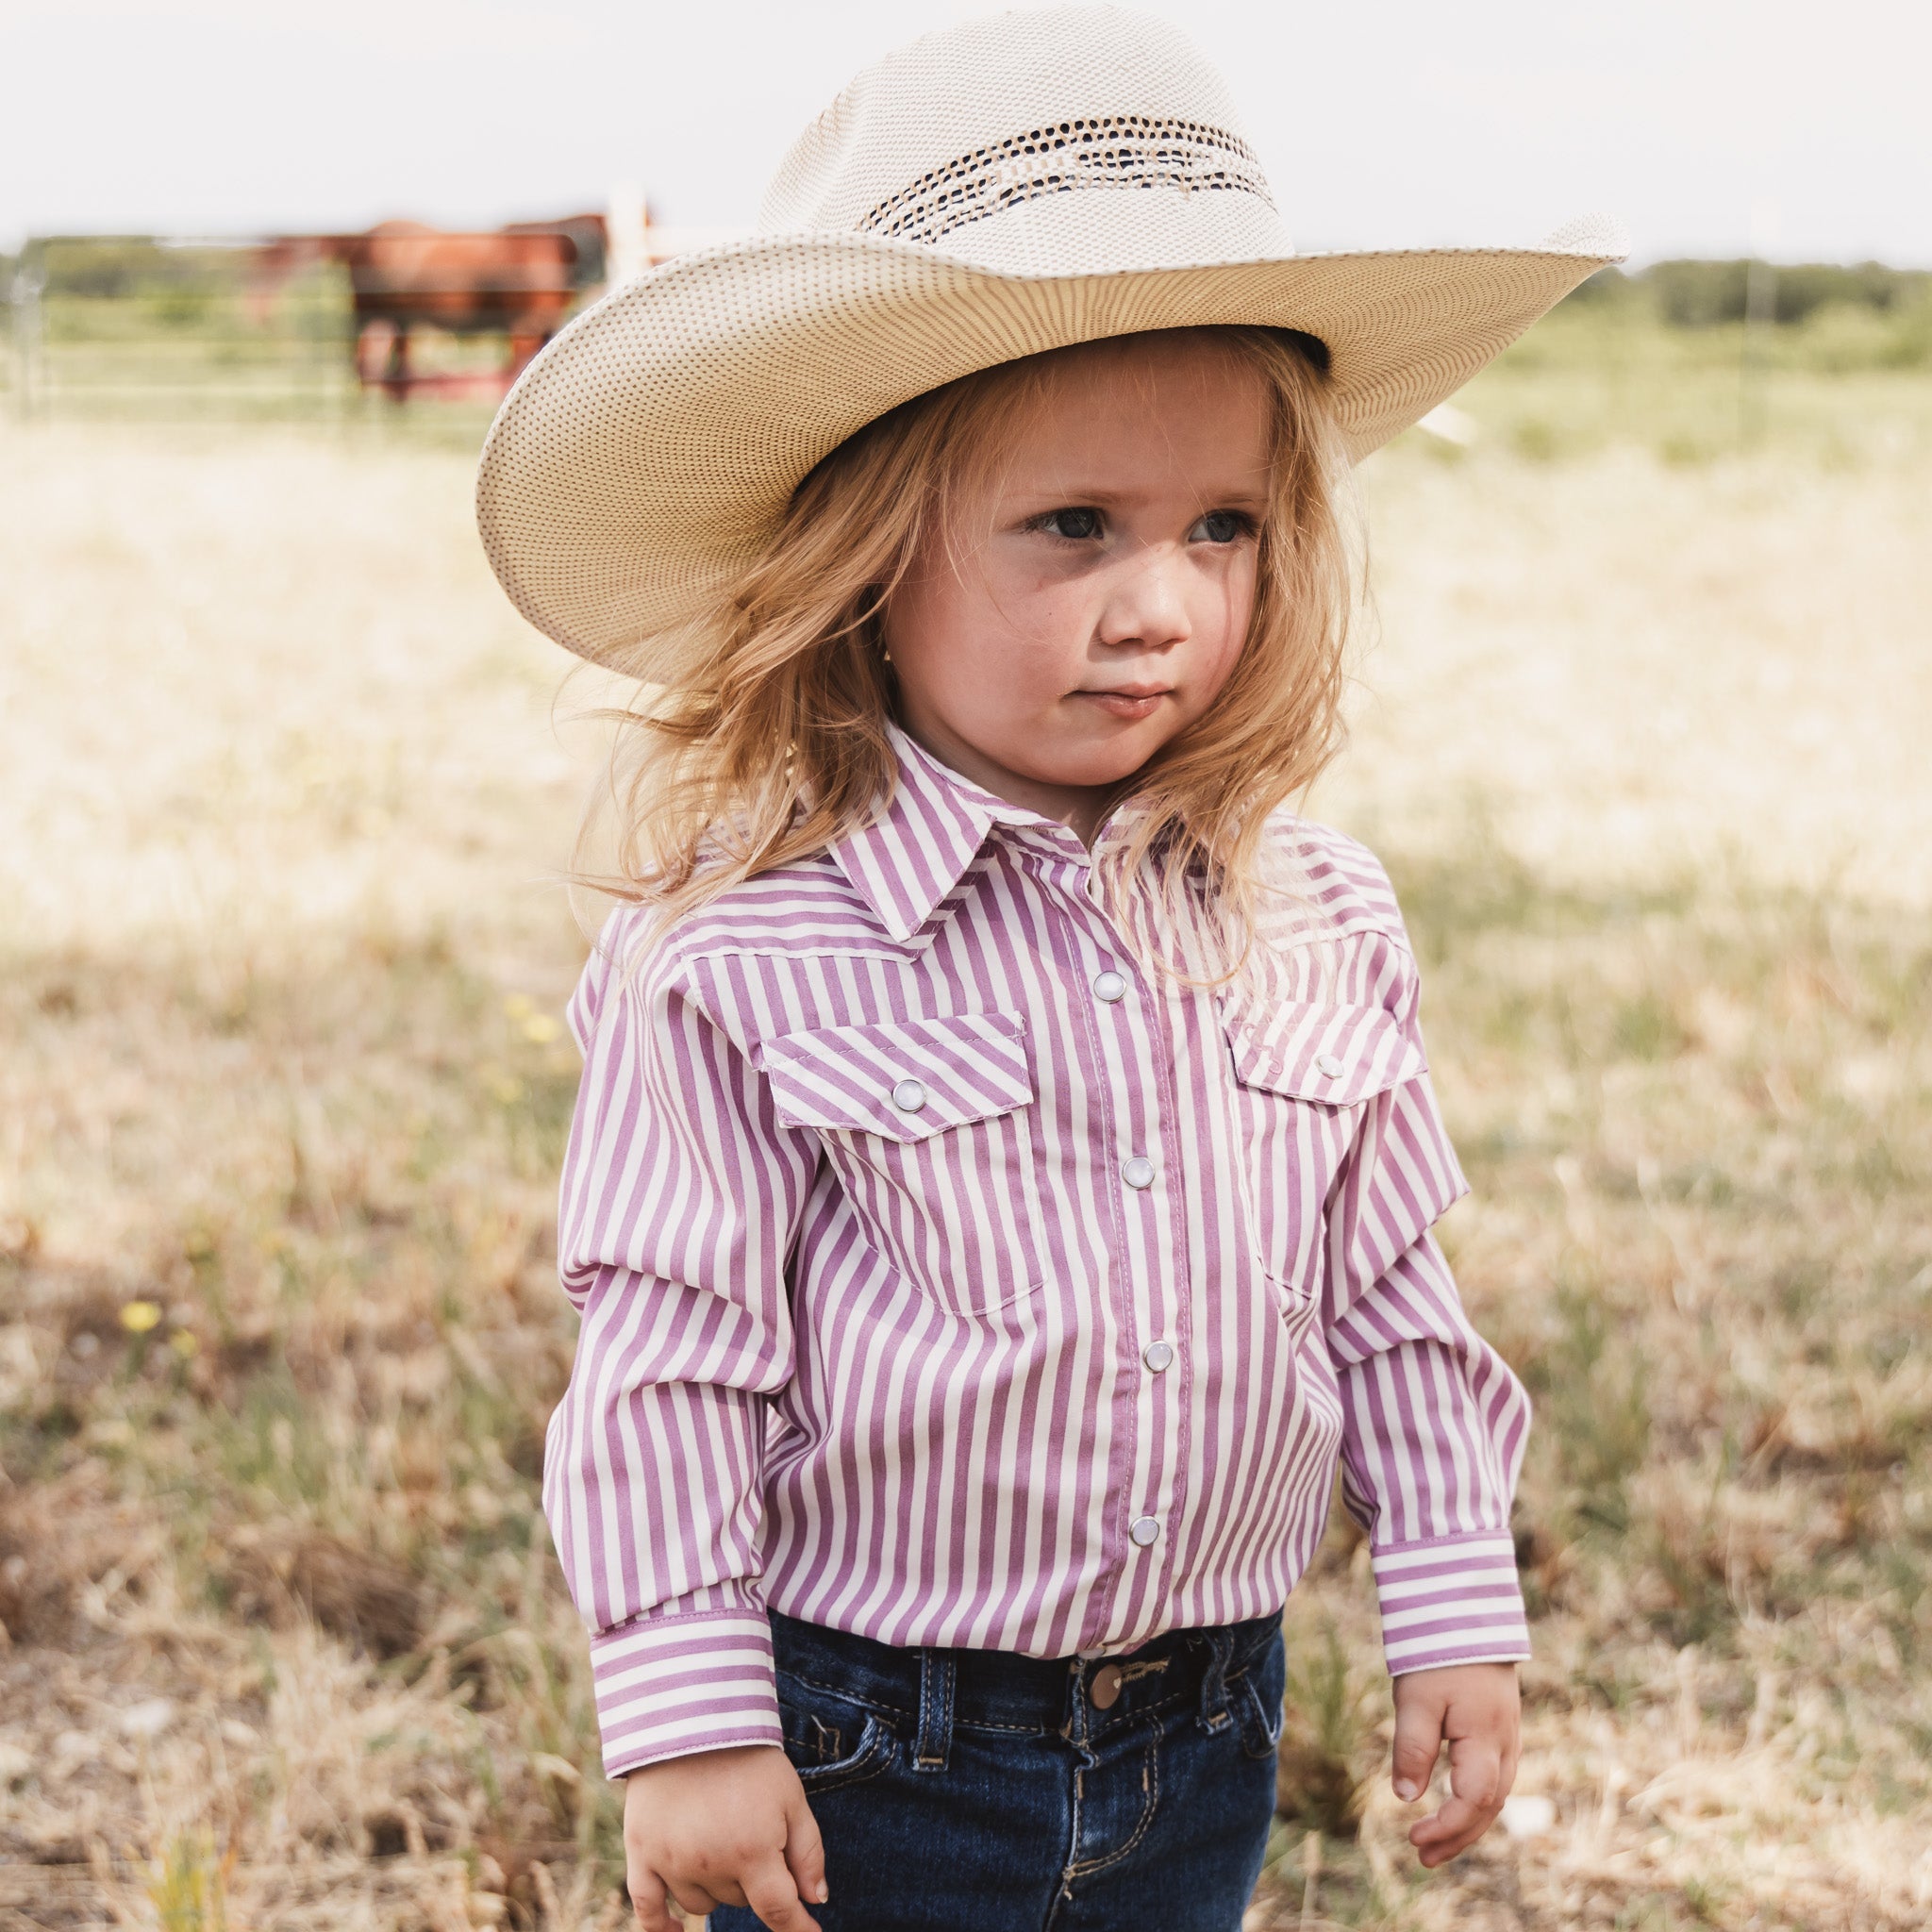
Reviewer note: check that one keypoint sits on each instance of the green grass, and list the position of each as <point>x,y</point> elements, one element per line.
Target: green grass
<point>1717,1317</point>
<point>1592,375</point>
<point>311,1107</point>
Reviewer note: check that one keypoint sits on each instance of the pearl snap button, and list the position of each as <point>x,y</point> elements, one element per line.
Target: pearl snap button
<point>1327,1064</point>
<point>1143,1529</point>
<point>1157,1355</point>
<point>909,1096</point>
<point>1110,985</point>
<point>1139,1171</point>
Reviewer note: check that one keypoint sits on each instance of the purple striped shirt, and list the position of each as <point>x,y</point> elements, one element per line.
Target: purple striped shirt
<point>948,1277</point>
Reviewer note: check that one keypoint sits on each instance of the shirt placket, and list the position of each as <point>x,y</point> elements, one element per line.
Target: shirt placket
<point>1140,1161</point>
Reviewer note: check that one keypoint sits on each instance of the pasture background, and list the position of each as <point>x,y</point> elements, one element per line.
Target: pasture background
<point>1640,733</point>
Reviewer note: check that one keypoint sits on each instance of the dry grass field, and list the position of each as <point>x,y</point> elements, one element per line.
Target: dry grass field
<point>282,1090</point>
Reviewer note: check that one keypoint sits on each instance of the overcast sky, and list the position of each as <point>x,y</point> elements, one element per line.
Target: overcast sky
<point>1382,123</point>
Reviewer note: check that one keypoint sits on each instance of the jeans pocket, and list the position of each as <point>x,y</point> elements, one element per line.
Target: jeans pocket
<point>873,1753</point>
<point>1257,1694</point>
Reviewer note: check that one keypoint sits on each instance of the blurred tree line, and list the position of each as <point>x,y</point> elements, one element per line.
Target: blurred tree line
<point>1701,294</point>
<point>1823,316</point>
<point>168,284</point>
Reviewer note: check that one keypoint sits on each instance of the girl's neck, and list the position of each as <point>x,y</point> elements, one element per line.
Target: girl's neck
<point>1080,807</point>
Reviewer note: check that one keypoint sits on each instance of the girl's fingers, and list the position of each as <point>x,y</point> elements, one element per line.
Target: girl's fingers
<point>804,1851</point>
<point>693,1901</point>
<point>647,1900</point>
<point>771,1894</point>
<point>1444,1833</point>
<point>1417,1737</point>
<point>1475,1771</point>
<point>1477,1785</point>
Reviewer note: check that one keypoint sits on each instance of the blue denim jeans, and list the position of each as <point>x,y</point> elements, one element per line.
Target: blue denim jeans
<point>980,1790</point>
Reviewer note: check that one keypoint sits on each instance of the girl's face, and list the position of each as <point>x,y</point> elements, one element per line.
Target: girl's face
<point>1089,599</point>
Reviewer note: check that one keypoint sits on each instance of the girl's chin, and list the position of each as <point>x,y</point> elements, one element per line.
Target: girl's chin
<point>1109,749</point>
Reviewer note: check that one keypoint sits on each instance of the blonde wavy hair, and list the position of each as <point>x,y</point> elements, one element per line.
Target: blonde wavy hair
<point>779,747</point>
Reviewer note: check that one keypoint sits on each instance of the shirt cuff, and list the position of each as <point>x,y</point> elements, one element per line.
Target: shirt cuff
<point>1451,1600</point>
<point>697,1680</point>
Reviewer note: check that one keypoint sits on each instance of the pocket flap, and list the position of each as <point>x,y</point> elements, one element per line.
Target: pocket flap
<point>1314,1050</point>
<point>906,1080</point>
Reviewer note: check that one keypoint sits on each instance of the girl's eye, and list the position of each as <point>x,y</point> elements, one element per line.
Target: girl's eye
<point>1221,526</point>
<point>1077,526</point>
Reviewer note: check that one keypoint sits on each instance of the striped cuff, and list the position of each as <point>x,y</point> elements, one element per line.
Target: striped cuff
<point>1452,1600</point>
<point>694,1681</point>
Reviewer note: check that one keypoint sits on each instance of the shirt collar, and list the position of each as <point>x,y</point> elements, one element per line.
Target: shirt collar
<point>917,846</point>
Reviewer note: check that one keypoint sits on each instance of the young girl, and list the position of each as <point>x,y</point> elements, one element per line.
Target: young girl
<point>1001,1181</point>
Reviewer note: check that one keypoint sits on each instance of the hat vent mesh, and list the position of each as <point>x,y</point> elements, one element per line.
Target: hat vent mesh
<point>1097,151</point>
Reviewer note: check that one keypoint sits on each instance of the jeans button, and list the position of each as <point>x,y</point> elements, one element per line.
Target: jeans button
<point>1104,1691</point>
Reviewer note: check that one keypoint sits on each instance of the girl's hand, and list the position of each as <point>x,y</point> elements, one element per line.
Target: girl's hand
<point>722,1828</point>
<point>1477,1711</point>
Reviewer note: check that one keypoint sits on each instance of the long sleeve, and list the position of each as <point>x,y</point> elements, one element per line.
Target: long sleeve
<point>1434,1419</point>
<point>680,1195</point>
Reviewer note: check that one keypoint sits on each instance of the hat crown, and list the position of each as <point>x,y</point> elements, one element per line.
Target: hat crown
<point>1043,141</point>
<point>1003,189</point>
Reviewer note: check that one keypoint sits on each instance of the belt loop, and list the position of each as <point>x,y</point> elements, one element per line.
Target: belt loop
<point>938,1673</point>
<point>1220,1641</point>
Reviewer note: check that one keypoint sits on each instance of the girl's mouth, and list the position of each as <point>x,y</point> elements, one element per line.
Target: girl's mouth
<point>1123,704</point>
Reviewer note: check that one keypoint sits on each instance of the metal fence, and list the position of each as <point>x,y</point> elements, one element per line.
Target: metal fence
<point>189,328</point>
<point>132,326</point>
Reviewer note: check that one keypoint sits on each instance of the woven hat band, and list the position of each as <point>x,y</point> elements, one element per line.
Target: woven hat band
<point>1104,151</point>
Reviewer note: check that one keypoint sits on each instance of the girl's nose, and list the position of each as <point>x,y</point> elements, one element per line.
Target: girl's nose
<point>1144,604</point>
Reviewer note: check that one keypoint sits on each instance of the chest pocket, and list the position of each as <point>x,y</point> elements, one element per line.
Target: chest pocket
<point>1304,1071</point>
<point>929,1125</point>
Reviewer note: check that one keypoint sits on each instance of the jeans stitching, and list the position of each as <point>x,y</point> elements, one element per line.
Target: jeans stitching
<point>932,1744</point>
<point>850,1696</point>
<point>872,1757</point>
<point>1271,1733</point>
<point>787,1674</point>
<point>959,1723</point>
<point>1140,1830</point>
<point>1178,1702</point>
<point>1243,1680</point>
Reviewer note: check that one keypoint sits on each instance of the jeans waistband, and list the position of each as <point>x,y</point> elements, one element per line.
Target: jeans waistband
<point>931,1690</point>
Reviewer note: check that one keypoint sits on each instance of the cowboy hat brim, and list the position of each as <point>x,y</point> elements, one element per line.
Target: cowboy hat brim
<point>644,456</point>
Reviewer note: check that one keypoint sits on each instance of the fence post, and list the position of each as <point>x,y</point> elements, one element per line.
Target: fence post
<point>23,302</point>
<point>626,235</point>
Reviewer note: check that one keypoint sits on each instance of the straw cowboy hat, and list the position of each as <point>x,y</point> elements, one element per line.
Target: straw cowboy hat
<point>1015,184</point>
